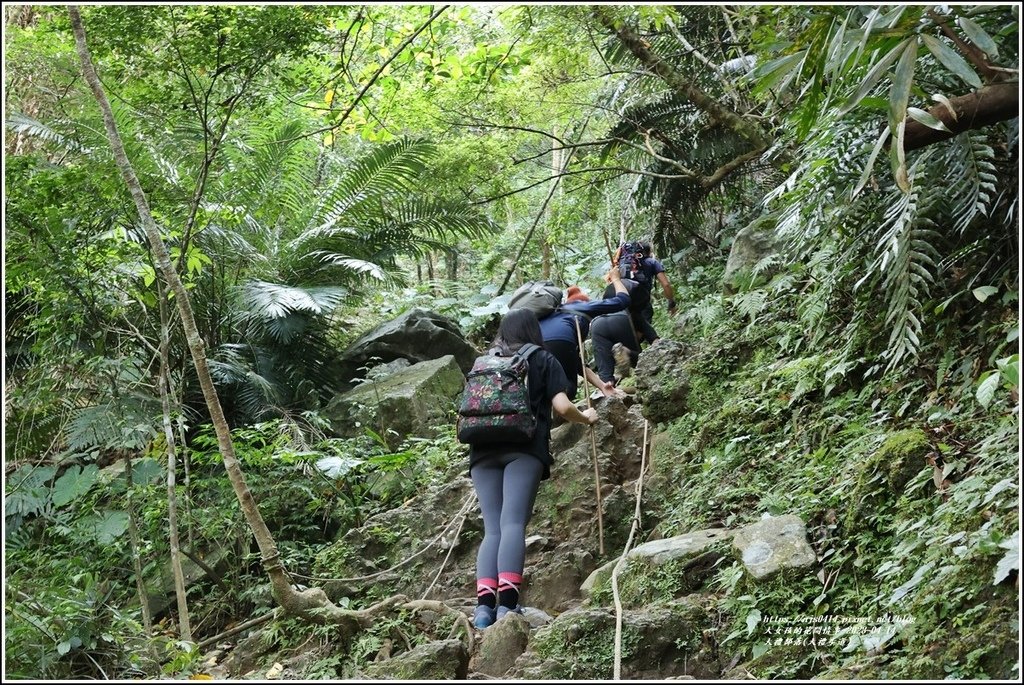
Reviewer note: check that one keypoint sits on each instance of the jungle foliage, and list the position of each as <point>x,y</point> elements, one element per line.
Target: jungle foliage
<point>316,170</point>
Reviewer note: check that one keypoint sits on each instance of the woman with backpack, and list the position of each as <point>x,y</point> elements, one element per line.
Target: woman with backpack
<point>506,477</point>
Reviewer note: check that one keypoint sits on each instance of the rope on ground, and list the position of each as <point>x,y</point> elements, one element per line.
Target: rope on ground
<point>463,511</point>
<point>622,558</point>
<point>593,443</point>
<point>451,548</point>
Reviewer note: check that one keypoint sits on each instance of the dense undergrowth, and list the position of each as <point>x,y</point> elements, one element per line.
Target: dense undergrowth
<point>907,485</point>
<point>88,624</point>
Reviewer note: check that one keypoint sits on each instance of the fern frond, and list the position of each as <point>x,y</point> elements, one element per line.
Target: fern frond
<point>750,304</point>
<point>973,175</point>
<point>26,125</point>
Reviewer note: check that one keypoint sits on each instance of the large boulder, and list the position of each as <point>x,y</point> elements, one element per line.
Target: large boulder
<point>159,583</point>
<point>411,401</point>
<point>418,335</point>
<point>501,645</point>
<point>695,555</point>
<point>662,382</point>
<point>773,544</point>
<point>438,660</point>
<point>658,642</point>
<point>751,245</point>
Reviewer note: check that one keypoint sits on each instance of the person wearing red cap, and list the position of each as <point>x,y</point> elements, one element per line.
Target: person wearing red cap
<point>560,331</point>
<point>575,294</point>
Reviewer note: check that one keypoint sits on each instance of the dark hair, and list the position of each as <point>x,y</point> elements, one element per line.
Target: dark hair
<point>518,327</point>
<point>638,297</point>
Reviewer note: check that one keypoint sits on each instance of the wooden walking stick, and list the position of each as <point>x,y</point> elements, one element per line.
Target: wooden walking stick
<point>593,443</point>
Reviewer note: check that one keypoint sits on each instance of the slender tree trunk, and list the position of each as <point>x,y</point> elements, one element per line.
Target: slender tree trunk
<point>184,624</point>
<point>556,168</point>
<point>730,119</point>
<point>281,587</point>
<point>133,537</point>
<point>451,262</point>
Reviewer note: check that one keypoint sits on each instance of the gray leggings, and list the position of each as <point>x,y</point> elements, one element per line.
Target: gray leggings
<point>506,487</point>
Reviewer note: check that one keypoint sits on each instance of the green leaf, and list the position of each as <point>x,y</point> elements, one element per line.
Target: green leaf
<point>109,526</point>
<point>899,94</point>
<point>929,120</point>
<point>987,388</point>
<point>873,76</point>
<point>950,59</point>
<point>63,648</point>
<point>146,470</point>
<point>979,37</point>
<point>869,167</point>
<point>1010,560</point>
<point>759,650</point>
<point>905,589</point>
<point>73,483</point>
<point>898,158</point>
<point>753,618</point>
<point>984,292</point>
<point>1009,369</point>
<point>770,73</point>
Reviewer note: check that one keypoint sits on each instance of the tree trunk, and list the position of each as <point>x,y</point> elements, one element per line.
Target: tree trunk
<point>545,244</point>
<point>716,110</point>
<point>184,624</point>
<point>451,262</point>
<point>133,537</point>
<point>282,589</point>
<point>994,102</point>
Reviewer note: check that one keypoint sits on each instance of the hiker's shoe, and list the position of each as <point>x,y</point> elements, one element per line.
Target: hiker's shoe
<point>505,610</point>
<point>623,365</point>
<point>483,616</point>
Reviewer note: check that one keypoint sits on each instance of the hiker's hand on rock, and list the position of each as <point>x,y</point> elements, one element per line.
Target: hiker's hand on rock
<point>608,389</point>
<point>591,414</point>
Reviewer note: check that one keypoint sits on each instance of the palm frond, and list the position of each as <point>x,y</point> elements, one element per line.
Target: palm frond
<point>26,125</point>
<point>904,255</point>
<point>265,300</point>
<point>389,169</point>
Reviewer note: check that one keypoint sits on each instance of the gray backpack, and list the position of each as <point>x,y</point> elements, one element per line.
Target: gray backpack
<point>540,297</point>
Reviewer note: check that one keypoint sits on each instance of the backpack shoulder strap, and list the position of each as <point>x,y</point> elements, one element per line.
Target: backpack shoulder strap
<point>526,350</point>
<point>566,309</point>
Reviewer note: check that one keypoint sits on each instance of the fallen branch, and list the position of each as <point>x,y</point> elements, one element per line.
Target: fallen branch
<point>258,621</point>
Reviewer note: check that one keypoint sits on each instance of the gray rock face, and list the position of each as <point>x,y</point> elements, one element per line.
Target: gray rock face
<point>662,382</point>
<point>439,660</point>
<point>690,546</point>
<point>501,645</point>
<point>666,640</point>
<point>753,243</point>
<point>410,401</point>
<point>417,335</point>
<point>773,544</point>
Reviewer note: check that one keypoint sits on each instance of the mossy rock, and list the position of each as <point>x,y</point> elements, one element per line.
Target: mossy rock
<point>884,475</point>
<point>440,660</point>
<point>902,456</point>
<point>658,641</point>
